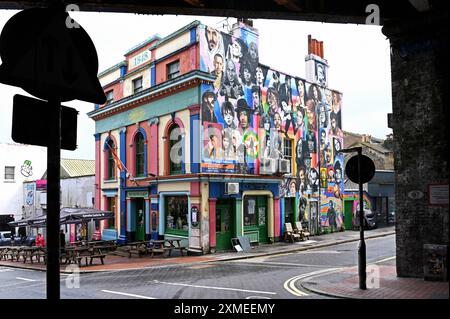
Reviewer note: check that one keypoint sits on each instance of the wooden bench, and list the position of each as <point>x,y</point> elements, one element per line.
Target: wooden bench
<point>140,250</point>
<point>161,250</point>
<point>100,256</point>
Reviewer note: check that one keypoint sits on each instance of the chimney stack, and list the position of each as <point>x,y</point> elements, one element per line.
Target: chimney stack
<point>316,65</point>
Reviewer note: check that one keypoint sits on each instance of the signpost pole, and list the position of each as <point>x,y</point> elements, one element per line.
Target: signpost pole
<point>53,199</point>
<point>362,244</point>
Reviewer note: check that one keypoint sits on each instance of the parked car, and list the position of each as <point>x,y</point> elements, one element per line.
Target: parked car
<point>5,238</point>
<point>370,218</point>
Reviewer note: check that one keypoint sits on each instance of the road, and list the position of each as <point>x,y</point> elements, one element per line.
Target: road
<point>270,277</point>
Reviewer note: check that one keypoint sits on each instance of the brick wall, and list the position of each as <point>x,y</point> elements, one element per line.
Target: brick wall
<point>420,117</point>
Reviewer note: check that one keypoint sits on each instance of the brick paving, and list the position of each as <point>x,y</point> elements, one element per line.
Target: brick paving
<point>345,284</point>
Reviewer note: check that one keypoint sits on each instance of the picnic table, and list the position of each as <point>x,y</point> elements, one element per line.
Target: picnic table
<point>172,245</point>
<point>76,254</point>
<point>138,248</point>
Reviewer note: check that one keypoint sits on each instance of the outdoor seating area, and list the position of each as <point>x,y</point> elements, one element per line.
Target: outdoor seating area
<point>163,248</point>
<point>295,234</point>
<point>73,253</point>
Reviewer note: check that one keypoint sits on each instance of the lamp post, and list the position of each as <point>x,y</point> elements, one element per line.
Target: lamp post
<point>362,244</point>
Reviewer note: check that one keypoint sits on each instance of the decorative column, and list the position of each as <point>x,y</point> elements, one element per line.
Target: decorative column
<point>154,144</point>
<point>212,224</point>
<point>147,219</point>
<point>277,221</point>
<point>195,136</point>
<point>123,207</point>
<point>98,160</point>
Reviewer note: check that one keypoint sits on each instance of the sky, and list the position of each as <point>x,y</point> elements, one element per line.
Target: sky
<point>358,58</point>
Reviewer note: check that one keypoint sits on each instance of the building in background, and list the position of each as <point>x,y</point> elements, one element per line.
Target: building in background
<point>200,141</point>
<point>19,163</point>
<point>77,190</point>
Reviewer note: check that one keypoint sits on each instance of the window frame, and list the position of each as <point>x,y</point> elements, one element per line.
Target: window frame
<point>109,100</point>
<point>175,168</point>
<point>287,150</point>
<point>176,231</point>
<point>111,170</point>
<point>139,155</point>
<point>173,74</point>
<point>139,88</point>
<point>6,174</point>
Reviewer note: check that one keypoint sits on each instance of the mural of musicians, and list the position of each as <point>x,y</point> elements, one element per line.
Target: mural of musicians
<point>208,99</point>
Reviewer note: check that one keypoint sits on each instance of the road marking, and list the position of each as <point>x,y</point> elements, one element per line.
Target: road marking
<point>212,287</point>
<point>385,259</point>
<point>127,294</point>
<point>263,263</point>
<point>289,284</point>
<point>6,269</point>
<point>26,279</point>
<point>319,252</point>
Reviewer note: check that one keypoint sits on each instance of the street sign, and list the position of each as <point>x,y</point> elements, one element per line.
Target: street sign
<point>367,169</point>
<point>30,123</point>
<point>47,58</point>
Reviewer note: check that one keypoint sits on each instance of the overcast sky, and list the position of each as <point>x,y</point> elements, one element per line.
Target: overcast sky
<point>358,56</point>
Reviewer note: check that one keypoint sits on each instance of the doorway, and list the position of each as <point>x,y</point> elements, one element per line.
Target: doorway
<point>224,224</point>
<point>140,219</point>
<point>255,218</point>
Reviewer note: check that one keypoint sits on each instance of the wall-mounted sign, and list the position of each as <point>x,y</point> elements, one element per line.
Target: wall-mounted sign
<point>438,194</point>
<point>141,58</point>
<point>143,194</point>
<point>194,216</point>
<point>41,184</point>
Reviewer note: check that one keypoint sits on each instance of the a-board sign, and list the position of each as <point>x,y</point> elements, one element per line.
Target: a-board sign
<point>245,243</point>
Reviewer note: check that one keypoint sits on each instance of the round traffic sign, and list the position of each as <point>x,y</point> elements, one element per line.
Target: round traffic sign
<point>367,169</point>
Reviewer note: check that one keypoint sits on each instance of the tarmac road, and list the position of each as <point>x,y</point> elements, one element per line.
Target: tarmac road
<point>268,277</point>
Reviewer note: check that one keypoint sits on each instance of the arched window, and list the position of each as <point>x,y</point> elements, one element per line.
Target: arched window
<point>110,160</point>
<point>175,150</point>
<point>139,154</point>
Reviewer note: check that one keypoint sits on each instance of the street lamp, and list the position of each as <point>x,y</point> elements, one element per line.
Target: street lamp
<point>360,180</point>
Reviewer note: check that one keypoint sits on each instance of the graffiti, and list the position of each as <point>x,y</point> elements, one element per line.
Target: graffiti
<point>253,116</point>
<point>26,169</point>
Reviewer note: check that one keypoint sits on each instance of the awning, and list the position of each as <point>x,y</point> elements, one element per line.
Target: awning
<point>67,216</point>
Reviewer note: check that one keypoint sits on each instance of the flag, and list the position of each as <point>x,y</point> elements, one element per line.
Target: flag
<point>117,160</point>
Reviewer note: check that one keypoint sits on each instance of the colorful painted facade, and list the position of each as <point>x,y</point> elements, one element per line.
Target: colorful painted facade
<point>211,144</point>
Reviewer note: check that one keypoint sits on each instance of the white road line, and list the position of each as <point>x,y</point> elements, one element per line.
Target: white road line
<point>289,284</point>
<point>385,259</point>
<point>26,279</point>
<point>262,263</point>
<point>212,287</point>
<point>6,269</point>
<point>127,294</point>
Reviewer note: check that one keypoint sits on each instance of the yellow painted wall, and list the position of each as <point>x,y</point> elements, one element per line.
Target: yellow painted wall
<point>110,77</point>
<point>128,85</point>
<point>173,45</point>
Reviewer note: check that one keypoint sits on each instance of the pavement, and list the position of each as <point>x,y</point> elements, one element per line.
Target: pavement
<point>340,283</point>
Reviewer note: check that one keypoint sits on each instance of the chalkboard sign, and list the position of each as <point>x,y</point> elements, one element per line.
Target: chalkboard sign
<point>245,243</point>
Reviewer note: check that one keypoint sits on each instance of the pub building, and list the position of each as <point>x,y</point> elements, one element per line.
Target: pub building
<point>200,141</point>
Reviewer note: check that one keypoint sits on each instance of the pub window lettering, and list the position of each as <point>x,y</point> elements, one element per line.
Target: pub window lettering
<point>173,70</point>
<point>9,172</point>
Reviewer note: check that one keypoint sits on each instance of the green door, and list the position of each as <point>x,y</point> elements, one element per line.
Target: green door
<point>224,227</point>
<point>140,219</point>
<point>348,214</point>
<point>261,209</point>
